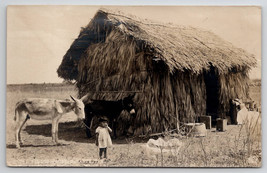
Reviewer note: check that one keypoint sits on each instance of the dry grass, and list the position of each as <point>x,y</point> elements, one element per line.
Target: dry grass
<point>239,146</point>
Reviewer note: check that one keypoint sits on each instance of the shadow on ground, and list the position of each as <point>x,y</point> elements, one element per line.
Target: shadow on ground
<point>25,146</point>
<point>68,132</point>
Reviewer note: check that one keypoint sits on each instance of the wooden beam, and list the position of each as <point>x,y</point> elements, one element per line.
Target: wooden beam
<point>116,91</point>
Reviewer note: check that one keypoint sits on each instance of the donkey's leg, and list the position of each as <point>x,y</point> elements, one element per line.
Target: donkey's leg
<point>19,135</point>
<point>56,132</point>
<point>17,131</point>
<point>114,127</point>
<point>19,124</point>
<point>89,123</point>
<point>53,130</point>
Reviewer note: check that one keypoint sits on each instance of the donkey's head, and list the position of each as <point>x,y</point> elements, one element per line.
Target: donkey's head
<point>78,108</point>
<point>128,104</point>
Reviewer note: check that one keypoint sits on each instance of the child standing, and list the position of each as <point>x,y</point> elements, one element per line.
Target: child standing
<point>103,139</point>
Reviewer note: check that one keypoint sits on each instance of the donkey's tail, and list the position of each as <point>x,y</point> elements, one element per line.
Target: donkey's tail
<point>15,117</point>
<point>16,111</point>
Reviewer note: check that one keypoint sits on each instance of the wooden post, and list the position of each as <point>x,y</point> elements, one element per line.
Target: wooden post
<point>177,124</point>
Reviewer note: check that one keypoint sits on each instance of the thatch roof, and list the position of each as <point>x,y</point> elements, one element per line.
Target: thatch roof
<point>181,48</point>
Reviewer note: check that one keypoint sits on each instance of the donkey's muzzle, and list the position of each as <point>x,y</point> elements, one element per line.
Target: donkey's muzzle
<point>132,111</point>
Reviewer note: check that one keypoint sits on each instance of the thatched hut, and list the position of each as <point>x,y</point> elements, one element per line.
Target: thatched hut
<point>178,73</point>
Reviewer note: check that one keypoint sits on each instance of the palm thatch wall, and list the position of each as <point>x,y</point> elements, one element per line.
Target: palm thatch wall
<point>166,66</point>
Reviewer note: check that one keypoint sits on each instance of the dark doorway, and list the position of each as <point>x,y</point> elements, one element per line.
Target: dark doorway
<point>212,91</point>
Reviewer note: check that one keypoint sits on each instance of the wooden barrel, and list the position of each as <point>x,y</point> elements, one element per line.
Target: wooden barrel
<point>195,129</point>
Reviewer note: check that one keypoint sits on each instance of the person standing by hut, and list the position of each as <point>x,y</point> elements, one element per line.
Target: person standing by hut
<point>234,108</point>
<point>103,140</point>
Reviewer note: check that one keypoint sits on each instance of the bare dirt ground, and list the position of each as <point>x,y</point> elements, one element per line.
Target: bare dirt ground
<point>236,147</point>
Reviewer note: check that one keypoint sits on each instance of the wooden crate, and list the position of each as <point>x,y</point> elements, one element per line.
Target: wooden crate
<point>221,125</point>
<point>206,120</point>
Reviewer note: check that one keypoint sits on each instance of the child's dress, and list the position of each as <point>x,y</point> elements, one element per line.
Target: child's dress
<point>104,139</point>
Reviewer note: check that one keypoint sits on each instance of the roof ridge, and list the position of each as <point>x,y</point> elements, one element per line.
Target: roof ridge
<point>140,20</point>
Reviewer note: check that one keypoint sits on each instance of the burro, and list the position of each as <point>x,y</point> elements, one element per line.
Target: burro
<point>45,109</point>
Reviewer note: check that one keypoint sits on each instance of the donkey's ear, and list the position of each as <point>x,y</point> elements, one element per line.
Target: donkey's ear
<point>73,98</point>
<point>84,98</point>
<point>58,107</point>
<point>132,95</point>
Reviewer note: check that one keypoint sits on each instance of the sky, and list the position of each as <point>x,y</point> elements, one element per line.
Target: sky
<point>39,36</point>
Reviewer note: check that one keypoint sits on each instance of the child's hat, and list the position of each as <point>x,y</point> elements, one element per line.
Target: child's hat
<point>102,119</point>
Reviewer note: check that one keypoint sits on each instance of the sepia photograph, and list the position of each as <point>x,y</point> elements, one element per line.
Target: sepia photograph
<point>133,86</point>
